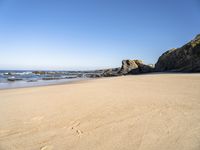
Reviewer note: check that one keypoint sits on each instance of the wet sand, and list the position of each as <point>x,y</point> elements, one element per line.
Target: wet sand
<point>143,112</point>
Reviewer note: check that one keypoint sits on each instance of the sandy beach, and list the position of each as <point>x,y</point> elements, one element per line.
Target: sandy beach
<point>142,112</point>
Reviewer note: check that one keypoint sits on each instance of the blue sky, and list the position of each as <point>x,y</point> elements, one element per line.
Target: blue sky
<point>92,34</point>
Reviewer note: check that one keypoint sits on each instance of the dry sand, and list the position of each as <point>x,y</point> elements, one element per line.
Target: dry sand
<point>145,112</point>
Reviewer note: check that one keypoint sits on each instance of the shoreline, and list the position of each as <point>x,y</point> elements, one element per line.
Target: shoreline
<point>51,84</point>
<point>82,80</point>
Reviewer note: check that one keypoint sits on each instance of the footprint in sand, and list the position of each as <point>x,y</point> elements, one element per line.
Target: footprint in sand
<point>74,127</point>
<point>79,132</point>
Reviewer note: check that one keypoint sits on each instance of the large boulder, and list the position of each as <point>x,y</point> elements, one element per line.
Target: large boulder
<point>135,67</point>
<point>184,59</point>
<point>128,66</point>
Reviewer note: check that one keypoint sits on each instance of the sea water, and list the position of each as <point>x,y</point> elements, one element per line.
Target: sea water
<point>27,78</point>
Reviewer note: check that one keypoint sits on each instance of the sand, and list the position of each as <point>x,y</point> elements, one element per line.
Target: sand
<point>143,112</point>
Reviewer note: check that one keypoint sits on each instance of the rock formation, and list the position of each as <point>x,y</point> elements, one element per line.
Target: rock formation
<point>128,66</point>
<point>111,72</point>
<point>184,59</point>
<point>134,67</point>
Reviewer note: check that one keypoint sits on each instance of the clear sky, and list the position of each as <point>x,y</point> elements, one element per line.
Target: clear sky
<point>92,34</point>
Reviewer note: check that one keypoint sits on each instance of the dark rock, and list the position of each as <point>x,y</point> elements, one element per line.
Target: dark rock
<point>51,78</point>
<point>184,59</point>
<point>39,72</point>
<point>135,67</point>
<point>129,66</point>
<point>14,78</point>
<point>111,72</point>
<point>92,75</point>
<point>144,68</point>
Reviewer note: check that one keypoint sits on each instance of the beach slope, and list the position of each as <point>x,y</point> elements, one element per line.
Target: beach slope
<point>143,112</point>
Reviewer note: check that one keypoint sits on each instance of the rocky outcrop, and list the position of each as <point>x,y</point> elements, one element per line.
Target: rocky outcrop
<point>111,72</point>
<point>135,67</point>
<point>129,66</point>
<point>184,59</point>
<point>93,75</point>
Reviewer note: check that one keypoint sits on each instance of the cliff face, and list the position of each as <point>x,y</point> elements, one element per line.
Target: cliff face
<point>184,59</point>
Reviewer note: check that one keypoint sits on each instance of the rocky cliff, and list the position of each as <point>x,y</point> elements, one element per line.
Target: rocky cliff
<point>183,59</point>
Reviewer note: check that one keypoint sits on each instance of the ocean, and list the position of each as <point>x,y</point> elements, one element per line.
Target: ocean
<point>29,78</point>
